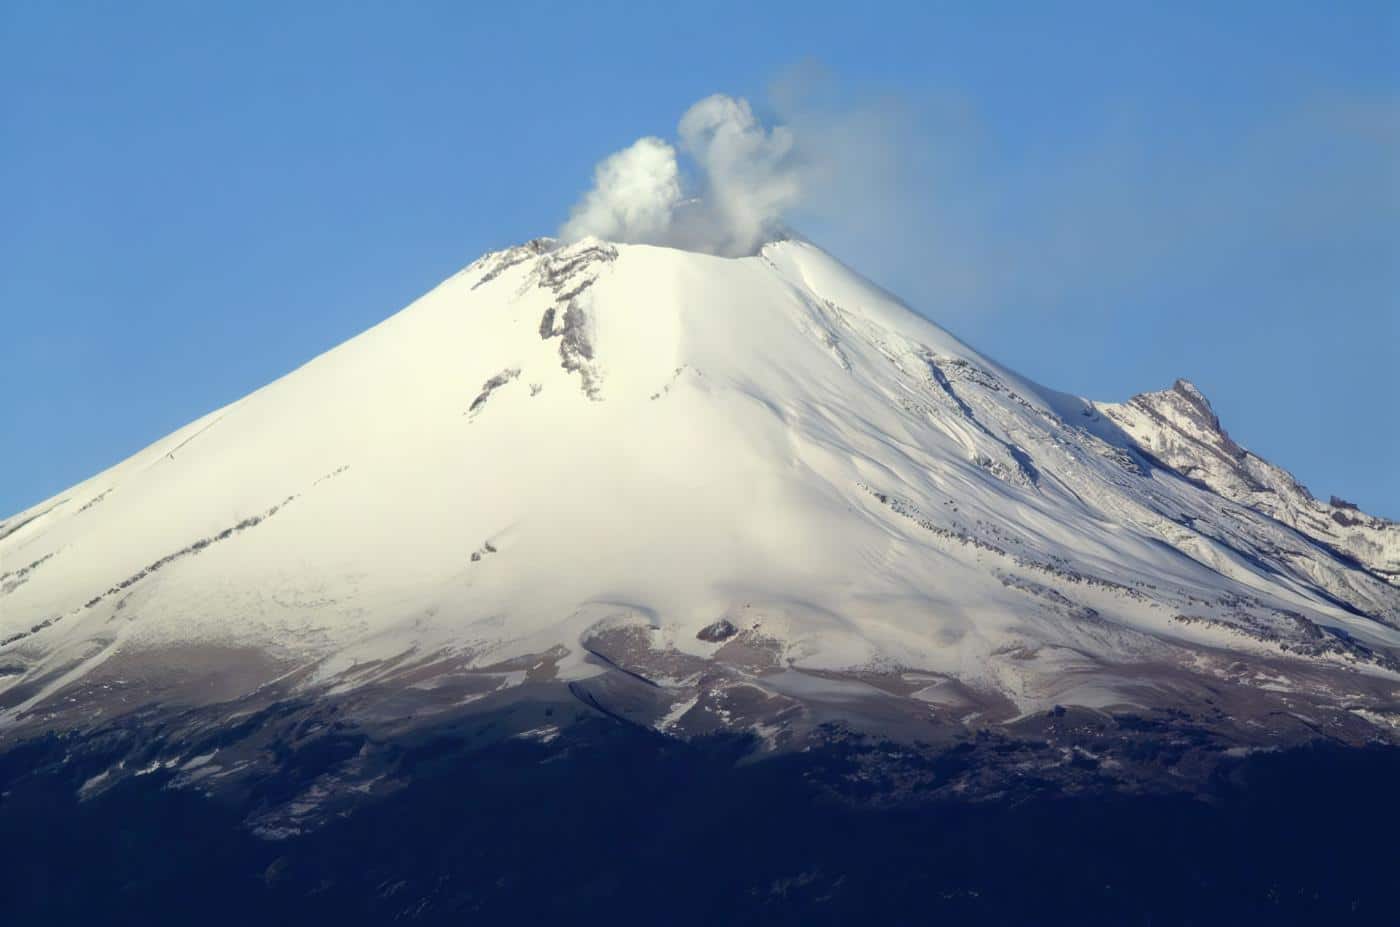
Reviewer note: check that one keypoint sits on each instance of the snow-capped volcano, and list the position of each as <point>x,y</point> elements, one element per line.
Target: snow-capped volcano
<point>760,489</point>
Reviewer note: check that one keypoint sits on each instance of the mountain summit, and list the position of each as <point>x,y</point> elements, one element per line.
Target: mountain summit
<point>700,494</point>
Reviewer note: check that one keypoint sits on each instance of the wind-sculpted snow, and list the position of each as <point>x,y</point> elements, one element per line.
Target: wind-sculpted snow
<point>752,494</point>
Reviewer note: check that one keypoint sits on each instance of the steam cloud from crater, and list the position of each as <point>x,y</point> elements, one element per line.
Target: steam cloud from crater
<point>747,178</point>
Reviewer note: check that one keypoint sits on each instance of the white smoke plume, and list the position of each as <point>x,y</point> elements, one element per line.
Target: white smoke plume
<point>747,178</point>
<point>634,195</point>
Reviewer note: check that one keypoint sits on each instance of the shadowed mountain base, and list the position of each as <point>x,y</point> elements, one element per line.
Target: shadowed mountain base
<point>602,822</point>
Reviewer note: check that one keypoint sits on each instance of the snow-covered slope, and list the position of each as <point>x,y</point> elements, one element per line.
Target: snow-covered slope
<point>1179,427</point>
<point>759,477</point>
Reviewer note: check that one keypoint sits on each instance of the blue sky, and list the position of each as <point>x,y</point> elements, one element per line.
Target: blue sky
<point>196,198</point>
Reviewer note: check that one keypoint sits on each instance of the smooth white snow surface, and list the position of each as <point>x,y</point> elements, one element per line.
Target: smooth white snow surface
<point>557,437</point>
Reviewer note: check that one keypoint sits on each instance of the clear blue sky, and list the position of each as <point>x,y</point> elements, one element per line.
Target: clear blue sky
<point>195,198</point>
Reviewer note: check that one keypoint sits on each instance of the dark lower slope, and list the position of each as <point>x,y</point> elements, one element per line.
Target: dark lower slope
<point>609,823</point>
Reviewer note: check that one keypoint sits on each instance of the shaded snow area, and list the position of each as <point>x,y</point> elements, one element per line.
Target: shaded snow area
<point>704,494</point>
